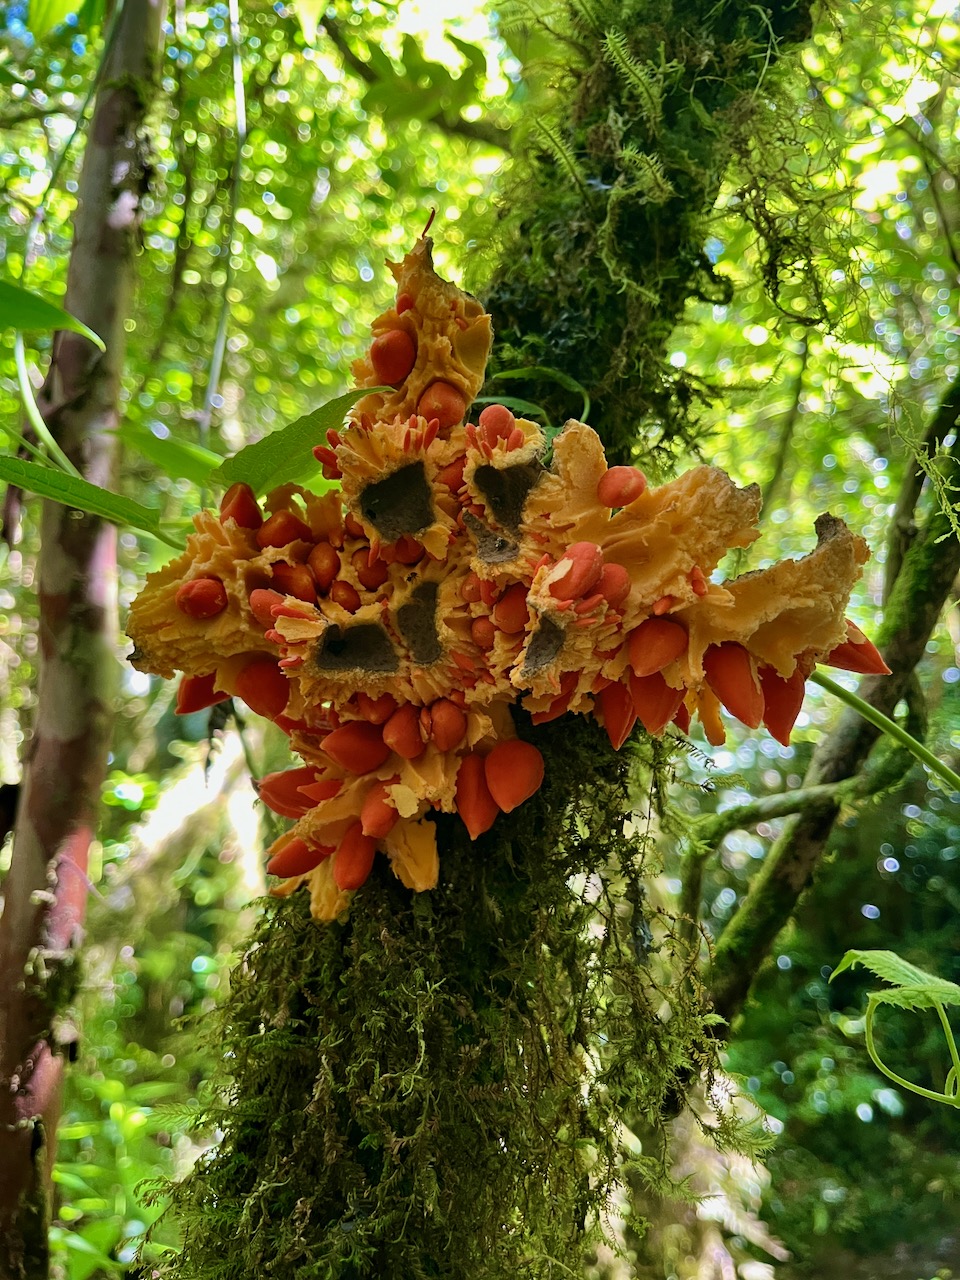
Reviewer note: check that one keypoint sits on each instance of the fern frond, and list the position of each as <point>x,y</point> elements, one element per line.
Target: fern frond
<point>553,142</point>
<point>649,174</point>
<point>587,15</point>
<point>637,76</point>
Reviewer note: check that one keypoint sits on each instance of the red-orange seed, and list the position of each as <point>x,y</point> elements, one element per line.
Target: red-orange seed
<point>782,700</point>
<point>281,529</point>
<point>452,474</point>
<point>281,791</point>
<point>402,734</point>
<point>202,598</point>
<point>404,303</point>
<point>325,563</point>
<point>263,687</point>
<point>346,595</point>
<point>353,860</point>
<point>655,701</point>
<point>262,602</point>
<point>240,504</point>
<point>376,710</point>
<point>470,589</point>
<point>730,674</point>
<point>393,355</point>
<point>484,633</point>
<point>353,526</point>
<point>448,724</point>
<point>475,805</point>
<point>196,693</point>
<point>296,858</point>
<point>620,486</point>
<point>583,564</point>
<point>371,576</point>
<point>356,746</point>
<point>618,713</point>
<point>295,580</point>
<point>407,550</point>
<point>514,771</point>
<point>510,611</point>
<point>614,585</point>
<point>444,402</point>
<point>378,816</point>
<point>655,644</point>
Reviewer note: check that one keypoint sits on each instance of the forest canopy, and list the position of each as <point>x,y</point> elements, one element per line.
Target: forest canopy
<point>727,235</point>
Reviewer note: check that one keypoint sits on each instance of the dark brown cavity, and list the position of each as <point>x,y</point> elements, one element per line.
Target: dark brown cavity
<point>417,620</point>
<point>365,647</point>
<point>545,643</point>
<point>492,547</point>
<point>505,491</point>
<point>399,504</point>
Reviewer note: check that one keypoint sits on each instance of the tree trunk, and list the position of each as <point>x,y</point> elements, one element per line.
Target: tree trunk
<point>45,890</point>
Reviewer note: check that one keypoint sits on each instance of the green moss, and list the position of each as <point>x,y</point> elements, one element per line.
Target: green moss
<point>433,1086</point>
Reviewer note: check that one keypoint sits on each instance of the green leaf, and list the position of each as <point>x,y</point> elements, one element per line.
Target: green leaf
<point>44,15</point>
<point>180,459</point>
<point>48,482</point>
<point>286,454</point>
<point>515,403</point>
<point>913,988</point>
<point>21,309</point>
<point>309,13</point>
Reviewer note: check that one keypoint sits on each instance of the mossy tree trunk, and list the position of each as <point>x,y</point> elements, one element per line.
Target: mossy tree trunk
<point>45,889</point>
<point>432,1087</point>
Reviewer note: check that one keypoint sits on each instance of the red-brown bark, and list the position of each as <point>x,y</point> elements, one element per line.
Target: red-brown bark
<point>44,893</point>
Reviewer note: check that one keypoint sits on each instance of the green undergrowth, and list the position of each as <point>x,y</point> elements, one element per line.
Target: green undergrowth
<point>433,1086</point>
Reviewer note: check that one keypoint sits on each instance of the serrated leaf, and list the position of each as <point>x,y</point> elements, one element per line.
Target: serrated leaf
<point>44,15</point>
<point>49,482</point>
<point>180,459</point>
<point>912,988</point>
<point>21,309</point>
<point>286,454</point>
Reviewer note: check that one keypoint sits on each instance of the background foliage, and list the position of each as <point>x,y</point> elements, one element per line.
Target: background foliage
<point>814,378</point>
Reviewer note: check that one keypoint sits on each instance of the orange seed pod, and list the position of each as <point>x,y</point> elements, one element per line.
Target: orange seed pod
<point>514,771</point>
<point>196,693</point>
<point>655,644</point>
<point>281,529</point>
<point>201,598</point>
<point>402,734</point>
<point>444,402</point>
<point>353,860</point>
<point>240,505</point>
<point>393,355</point>
<point>583,565</point>
<point>325,563</point>
<point>356,746</point>
<point>730,674</point>
<point>475,805</point>
<point>263,687</point>
<point>620,486</point>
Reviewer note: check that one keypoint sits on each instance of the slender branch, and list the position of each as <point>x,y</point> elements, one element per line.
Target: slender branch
<point>902,527</point>
<point>787,428</point>
<point>710,832</point>
<point>474,130</point>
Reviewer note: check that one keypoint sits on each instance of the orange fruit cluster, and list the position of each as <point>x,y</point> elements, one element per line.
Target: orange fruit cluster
<point>390,627</point>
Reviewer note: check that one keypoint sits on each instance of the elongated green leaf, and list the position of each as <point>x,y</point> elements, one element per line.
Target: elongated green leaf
<point>285,455</point>
<point>48,482</point>
<point>21,309</point>
<point>181,459</point>
<point>308,14</point>
<point>911,988</point>
<point>44,15</point>
<point>525,407</point>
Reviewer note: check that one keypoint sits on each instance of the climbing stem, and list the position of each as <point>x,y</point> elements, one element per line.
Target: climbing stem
<point>875,1058</point>
<point>891,728</point>
<point>33,412</point>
